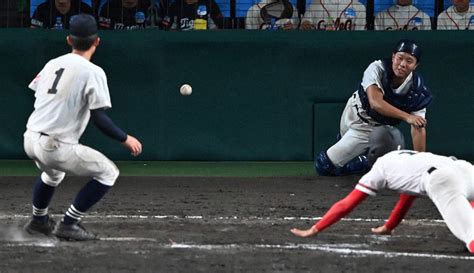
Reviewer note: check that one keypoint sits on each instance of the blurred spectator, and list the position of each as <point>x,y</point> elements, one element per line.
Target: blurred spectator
<point>402,16</point>
<point>241,9</point>
<point>459,16</point>
<point>159,13</point>
<point>14,13</point>
<point>194,14</point>
<point>96,5</point>
<point>224,6</point>
<point>271,14</point>
<point>128,14</point>
<point>56,13</point>
<point>335,15</point>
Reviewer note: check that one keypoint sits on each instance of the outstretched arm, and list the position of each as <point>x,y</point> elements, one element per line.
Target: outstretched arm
<point>108,127</point>
<point>334,214</point>
<point>397,215</point>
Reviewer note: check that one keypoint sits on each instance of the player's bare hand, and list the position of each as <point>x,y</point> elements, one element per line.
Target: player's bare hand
<point>304,233</point>
<point>306,25</point>
<point>133,145</point>
<point>382,230</point>
<point>288,26</point>
<point>416,121</point>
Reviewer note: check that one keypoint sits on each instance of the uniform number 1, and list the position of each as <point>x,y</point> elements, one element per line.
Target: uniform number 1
<point>53,89</point>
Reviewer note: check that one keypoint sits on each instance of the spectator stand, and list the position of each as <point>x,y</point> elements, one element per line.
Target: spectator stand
<point>14,13</point>
<point>428,6</point>
<point>448,3</point>
<point>242,6</point>
<point>442,6</point>
<point>35,3</point>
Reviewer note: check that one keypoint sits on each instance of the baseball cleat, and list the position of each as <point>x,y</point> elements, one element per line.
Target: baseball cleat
<point>74,232</point>
<point>38,227</point>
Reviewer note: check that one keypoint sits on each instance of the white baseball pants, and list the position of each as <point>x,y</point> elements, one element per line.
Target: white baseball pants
<point>451,188</point>
<point>55,159</point>
<point>355,133</point>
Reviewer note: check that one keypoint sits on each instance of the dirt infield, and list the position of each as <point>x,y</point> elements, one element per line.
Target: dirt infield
<point>176,224</point>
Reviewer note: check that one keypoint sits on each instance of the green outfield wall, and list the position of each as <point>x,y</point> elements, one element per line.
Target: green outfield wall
<point>256,95</point>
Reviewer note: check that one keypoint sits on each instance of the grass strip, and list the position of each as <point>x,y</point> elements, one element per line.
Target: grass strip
<point>183,168</point>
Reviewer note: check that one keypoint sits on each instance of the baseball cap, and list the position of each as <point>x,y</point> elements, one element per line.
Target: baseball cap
<point>410,47</point>
<point>82,25</point>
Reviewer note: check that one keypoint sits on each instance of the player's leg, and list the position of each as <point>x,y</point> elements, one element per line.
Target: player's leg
<point>86,161</point>
<point>467,171</point>
<point>322,163</point>
<point>449,189</point>
<point>347,155</point>
<point>43,189</point>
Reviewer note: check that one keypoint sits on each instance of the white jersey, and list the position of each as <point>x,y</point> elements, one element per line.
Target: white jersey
<point>402,18</point>
<point>336,15</point>
<point>66,90</point>
<point>450,19</point>
<point>402,171</point>
<point>253,19</point>
<point>373,76</point>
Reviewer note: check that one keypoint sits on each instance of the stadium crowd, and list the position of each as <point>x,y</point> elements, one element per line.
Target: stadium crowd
<point>244,14</point>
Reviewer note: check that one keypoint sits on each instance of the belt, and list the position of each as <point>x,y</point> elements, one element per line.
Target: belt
<point>432,169</point>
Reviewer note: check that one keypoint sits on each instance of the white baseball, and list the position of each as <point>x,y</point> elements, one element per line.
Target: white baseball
<point>186,90</point>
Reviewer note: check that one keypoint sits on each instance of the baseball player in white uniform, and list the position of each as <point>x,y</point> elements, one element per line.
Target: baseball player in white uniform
<point>70,90</point>
<point>402,16</point>
<point>459,16</point>
<point>335,15</point>
<point>391,91</point>
<point>448,182</point>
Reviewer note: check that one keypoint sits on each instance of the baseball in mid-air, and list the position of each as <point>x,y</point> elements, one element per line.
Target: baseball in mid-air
<point>186,90</point>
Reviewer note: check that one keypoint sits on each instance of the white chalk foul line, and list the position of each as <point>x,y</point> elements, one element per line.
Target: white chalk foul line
<point>227,218</point>
<point>34,244</point>
<point>128,239</point>
<point>345,249</point>
<point>342,249</point>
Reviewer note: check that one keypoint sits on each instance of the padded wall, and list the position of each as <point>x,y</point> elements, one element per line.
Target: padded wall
<point>255,94</point>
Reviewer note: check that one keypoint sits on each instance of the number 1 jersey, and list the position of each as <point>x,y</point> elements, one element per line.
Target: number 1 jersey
<point>66,89</point>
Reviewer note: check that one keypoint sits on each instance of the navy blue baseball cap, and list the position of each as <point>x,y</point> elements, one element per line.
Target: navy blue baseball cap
<point>410,47</point>
<point>82,25</point>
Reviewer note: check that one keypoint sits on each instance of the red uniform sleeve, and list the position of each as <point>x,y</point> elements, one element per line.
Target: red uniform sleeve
<point>340,209</point>
<point>400,210</point>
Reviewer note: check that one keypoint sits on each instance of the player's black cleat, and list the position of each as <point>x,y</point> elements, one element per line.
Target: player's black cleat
<point>74,232</point>
<point>38,227</point>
